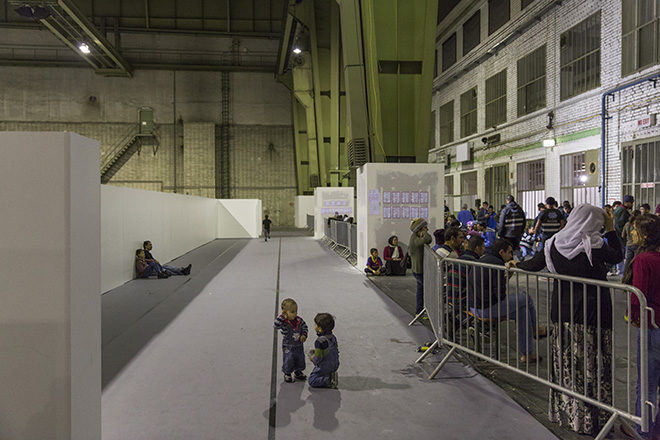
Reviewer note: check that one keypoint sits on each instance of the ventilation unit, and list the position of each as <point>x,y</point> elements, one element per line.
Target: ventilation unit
<point>357,152</point>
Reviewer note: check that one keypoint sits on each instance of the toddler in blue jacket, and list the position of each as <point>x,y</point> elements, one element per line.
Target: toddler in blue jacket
<point>294,332</point>
<point>325,355</point>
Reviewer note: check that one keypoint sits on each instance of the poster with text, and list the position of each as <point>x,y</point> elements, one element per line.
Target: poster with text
<point>405,212</point>
<point>387,197</point>
<point>395,197</point>
<point>396,212</point>
<point>387,212</point>
<point>405,197</point>
<point>414,197</point>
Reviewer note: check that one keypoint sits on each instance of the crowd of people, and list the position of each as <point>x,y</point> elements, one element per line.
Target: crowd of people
<point>583,241</point>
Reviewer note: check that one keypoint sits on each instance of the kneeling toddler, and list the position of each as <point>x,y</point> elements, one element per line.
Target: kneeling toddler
<point>325,355</point>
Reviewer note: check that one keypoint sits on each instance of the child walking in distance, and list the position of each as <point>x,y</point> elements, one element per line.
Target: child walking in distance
<point>267,224</point>
<point>294,332</point>
<point>325,355</point>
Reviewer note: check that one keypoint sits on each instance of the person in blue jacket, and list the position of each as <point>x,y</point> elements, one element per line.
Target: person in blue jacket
<point>465,216</point>
<point>325,355</point>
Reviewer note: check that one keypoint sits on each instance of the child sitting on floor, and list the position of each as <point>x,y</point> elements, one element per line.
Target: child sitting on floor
<point>374,263</point>
<point>325,355</point>
<point>294,330</point>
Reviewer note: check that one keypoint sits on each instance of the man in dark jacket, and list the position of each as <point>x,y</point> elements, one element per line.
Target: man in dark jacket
<point>550,221</point>
<point>621,217</point>
<point>488,298</point>
<point>512,223</point>
<point>482,214</point>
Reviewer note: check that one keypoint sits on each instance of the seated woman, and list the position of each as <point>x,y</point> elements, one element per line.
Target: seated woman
<point>393,257</point>
<point>374,264</point>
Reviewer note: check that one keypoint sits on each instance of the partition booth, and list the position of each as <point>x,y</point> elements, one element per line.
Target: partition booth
<point>328,202</point>
<point>390,195</point>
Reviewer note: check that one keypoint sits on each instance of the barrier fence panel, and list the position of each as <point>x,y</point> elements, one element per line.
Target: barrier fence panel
<point>342,233</point>
<point>333,231</point>
<point>353,237</point>
<point>500,315</point>
<point>310,221</point>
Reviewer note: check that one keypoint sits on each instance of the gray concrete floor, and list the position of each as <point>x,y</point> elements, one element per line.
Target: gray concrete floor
<point>203,367</point>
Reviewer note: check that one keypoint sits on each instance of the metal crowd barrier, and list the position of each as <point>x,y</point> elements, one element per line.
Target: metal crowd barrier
<point>342,237</point>
<point>607,365</point>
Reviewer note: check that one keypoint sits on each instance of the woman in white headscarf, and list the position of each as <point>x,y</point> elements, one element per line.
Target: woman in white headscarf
<point>581,250</point>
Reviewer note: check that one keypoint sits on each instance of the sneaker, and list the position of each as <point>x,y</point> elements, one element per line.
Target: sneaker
<point>186,270</point>
<point>163,275</point>
<point>334,380</point>
<point>288,378</point>
<point>299,375</point>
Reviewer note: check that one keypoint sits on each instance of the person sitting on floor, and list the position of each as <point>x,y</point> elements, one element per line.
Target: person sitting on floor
<point>527,242</point>
<point>146,269</point>
<point>393,255</point>
<point>374,264</point>
<point>170,269</point>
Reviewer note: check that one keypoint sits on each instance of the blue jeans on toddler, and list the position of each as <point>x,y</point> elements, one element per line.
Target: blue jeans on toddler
<point>293,358</point>
<point>318,380</point>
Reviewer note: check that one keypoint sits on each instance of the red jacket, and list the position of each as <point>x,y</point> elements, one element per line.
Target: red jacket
<point>646,279</point>
<point>387,253</point>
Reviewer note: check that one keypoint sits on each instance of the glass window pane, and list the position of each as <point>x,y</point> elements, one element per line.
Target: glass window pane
<point>629,15</point>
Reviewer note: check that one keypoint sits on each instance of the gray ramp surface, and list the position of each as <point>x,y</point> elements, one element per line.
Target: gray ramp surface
<point>207,375</point>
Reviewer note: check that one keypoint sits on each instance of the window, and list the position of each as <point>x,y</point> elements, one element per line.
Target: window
<point>445,7</point>
<point>449,192</point>
<point>525,3</point>
<point>640,32</point>
<point>497,185</point>
<point>575,185</point>
<point>469,112</point>
<point>472,32</point>
<point>469,188</point>
<point>499,12</point>
<point>531,82</point>
<point>432,131</point>
<point>580,57</point>
<point>496,99</point>
<point>447,123</point>
<point>641,171</point>
<point>449,52</point>
<point>435,64</point>
<point>531,185</point>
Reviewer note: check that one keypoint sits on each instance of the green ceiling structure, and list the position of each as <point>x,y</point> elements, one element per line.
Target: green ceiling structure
<point>362,84</point>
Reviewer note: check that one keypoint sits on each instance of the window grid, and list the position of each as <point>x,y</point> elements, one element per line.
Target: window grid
<point>472,33</point>
<point>531,82</point>
<point>499,12</point>
<point>497,184</point>
<point>449,192</point>
<point>449,52</point>
<point>496,99</point>
<point>468,188</point>
<point>447,123</point>
<point>641,171</point>
<point>432,131</point>
<point>640,33</point>
<point>469,112</point>
<point>531,185</point>
<point>580,57</point>
<point>573,173</point>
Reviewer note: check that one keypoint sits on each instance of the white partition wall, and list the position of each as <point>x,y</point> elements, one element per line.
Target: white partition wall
<point>389,195</point>
<point>331,200</point>
<point>174,223</point>
<point>304,205</point>
<point>239,218</point>
<point>50,349</point>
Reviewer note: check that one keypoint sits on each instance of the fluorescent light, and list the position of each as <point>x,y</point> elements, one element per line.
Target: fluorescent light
<point>297,50</point>
<point>84,48</point>
<point>548,142</point>
<point>583,178</point>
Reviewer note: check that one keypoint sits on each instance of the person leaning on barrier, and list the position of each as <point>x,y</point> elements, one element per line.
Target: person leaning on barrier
<point>453,245</point>
<point>418,239</point>
<point>439,236</point>
<point>579,250</point>
<point>642,272</point>
<point>488,298</point>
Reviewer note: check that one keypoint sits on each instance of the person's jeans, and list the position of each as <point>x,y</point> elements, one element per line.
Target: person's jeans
<point>622,265</point>
<point>171,270</point>
<point>630,253</point>
<point>293,358</point>
<point>151,270</point>
<point>653,377</point>
<point>419,297</point>
<point>526,251</point>
<point>520,307</point>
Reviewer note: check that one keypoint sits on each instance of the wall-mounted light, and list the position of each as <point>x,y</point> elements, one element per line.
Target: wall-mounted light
<point>297,50</point>
<point>549,142</point>
<point>84,48</point>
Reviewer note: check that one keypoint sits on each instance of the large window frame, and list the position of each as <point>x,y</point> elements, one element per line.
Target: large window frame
<point>447,123</point>
<point>579,49</point>
<point>497,185</point>
<point>640,35</point>
<point>472,32</point>
<point>499,13</point>
<point>469,112</point>
<point>532,81</point>
<point>449,191</point>
<point>469,182</point>
<point>496,99</point>
<point>640,170</point>
<point>573,180</point>
<point>449,56</point>
<point>530,180</point>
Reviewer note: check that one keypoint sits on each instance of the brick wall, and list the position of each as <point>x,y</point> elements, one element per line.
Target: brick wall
<point>577,120</point>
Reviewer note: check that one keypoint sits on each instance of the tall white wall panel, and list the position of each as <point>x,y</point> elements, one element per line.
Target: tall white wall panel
<point>50,349</point>
<point>304,205</point>
<point>239,218</point>
<point>327,201</point>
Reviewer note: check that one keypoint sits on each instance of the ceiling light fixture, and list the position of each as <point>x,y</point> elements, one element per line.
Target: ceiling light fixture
<point>297,50</point>
<point>84,48</point>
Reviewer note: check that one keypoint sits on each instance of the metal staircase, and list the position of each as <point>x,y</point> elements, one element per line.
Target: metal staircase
<point>117,156</point>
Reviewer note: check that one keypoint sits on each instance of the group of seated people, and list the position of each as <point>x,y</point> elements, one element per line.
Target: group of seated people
<point>147,266</point>
<point>395,260</point>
